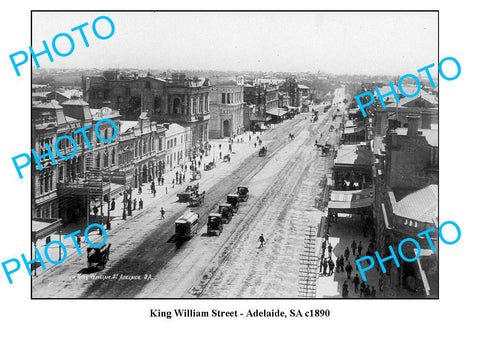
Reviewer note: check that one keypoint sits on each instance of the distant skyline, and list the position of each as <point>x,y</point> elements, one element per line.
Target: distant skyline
<point>376,43</point>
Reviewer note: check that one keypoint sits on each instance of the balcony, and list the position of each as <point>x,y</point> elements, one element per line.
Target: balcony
<point>84,188</point>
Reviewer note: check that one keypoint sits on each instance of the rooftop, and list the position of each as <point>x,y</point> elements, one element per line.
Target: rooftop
<point>357,154</point>
<point>421,205</point>
<point>430,135</point>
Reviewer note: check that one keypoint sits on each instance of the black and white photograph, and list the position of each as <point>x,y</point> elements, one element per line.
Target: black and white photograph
<point>230,158</point>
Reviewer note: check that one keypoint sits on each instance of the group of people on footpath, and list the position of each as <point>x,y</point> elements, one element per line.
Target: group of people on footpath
<point>342,264</point>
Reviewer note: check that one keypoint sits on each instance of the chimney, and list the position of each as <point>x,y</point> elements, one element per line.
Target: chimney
<point>413,125</point>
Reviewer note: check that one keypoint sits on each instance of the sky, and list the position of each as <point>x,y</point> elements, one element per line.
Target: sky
<point>376,43</point>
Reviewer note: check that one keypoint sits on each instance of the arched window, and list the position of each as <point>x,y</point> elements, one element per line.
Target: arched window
<point>105,158</point>
<point>177,106</point>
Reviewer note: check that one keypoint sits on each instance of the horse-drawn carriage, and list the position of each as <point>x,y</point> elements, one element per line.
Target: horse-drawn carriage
<point>209,166</point>
<point>186,194</point>
<point>226,158</point>
<point>98,257</point>
<point>196,175</point>
<point>262,152</point>
<point>197,199</point>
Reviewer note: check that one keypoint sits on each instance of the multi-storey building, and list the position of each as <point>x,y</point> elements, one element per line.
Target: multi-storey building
<point>406,202</point>
<point>175,145</point>
<point>226,107</point>
<point>180,100</point>
<point>69,188</point>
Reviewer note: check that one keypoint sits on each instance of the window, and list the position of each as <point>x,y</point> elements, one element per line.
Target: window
<point>40,180</point>
<point>105,158</point>
<point>175,142</point>
<point>98,160</point>
<point>223,98</point>
<point>113,156</point>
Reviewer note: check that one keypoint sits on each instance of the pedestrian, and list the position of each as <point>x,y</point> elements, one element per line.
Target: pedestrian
<point>342,263</point>
<point>373,292</point>
<point>140,204</point>
<point>155,191</point>
<point>348,269</point>
<point>162,212</point>
<point>163,180</point>
<point>254,145</point>
<point>330,249</point>
<point>134,204</point>
<point>362,289</point>
<point>359,248</point>
<point>140,190</point>
<point>112,204</point>
<point>95,211</point>
<point>166,190</point>
<point>220,155</point>
<point>367,292</point>
<point>380,284</point>
<point>356,281</point>
<point>345,289</point>
<point>250,138</point>
<point>79,240</point>
<point>347,253</point>
<point>261,239</point>
<point>159,180</point>
<point>331,266</point>
<point>325,265</point>
<point>337,264</point>
<point>354,246</point>
<point>176,176</point>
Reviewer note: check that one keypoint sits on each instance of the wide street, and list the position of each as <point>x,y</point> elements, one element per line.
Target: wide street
<point>145,260</point>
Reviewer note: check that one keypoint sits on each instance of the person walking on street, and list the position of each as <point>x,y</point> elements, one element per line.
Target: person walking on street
<point>331,266</point>
<point>134,204</point>
<point>139,190</point>
<point>330,249</point>
<point>356,282</point>
<point>359,248</point>
<point>112,204</point>
<point>345,289</point>
<point>367,292</point>
<point>354,246</point>
<point>261,239</point>
<point>140,204</point>
<point>347,253</point>
<point>342,263</point>
<point>163,180</point>
<point>362,289</point>
<point>325,265</point>
<point>95,211</point>
<point>337,264</point>
<point>162,212</point>
<point>349,269</point>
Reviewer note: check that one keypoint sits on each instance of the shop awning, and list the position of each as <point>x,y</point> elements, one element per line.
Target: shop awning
<point>42,227</point>
<point>350,199</point>
<point>277,111</point>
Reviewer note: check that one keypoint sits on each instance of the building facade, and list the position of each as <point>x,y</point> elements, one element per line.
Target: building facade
<point>226,108</point>
<point>180,100</point>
